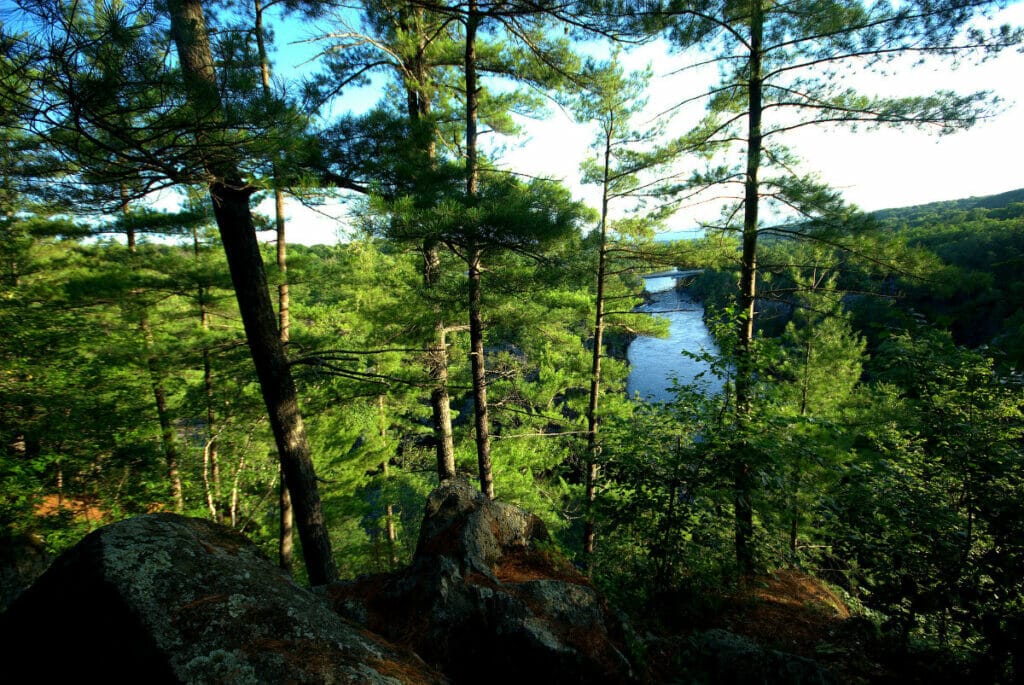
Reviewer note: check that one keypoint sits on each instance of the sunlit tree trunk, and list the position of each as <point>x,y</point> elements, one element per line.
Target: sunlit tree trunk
<point>419,109</point>
<point>285,538</point>
<point>389,509</point>
<point>211,460</point>
<point>60,483</point>
<point>230,198</point>
<point>476,341</point>
<point>441,406</point>
<point>743,477</point>
<point>593,449</point>
<point>474,256</point>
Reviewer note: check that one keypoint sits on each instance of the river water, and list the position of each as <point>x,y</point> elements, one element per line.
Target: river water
<point>654,362</point>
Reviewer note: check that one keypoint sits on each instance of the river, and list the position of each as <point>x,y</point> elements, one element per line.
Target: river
<point>654,362</point>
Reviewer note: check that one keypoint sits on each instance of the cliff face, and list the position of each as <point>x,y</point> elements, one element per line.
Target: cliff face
<point>164,598</point>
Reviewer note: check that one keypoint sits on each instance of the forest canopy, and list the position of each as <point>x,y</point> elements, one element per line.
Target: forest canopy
<point>157,356</point>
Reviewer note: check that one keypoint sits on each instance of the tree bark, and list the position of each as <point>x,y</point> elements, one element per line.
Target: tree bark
<point>751,189</point>
<point>742,477</point>
<point>474,256</point>
<point>441,406</point>
<point>593,449</point>
<point>287,514</point>
<point>231,208</point>
<point>211,465</point>
<point>794,514</point>
<point>419,109</point>
<point>472,99</point>
<point>167,436</point>
<point>476,343</point>
<point>389,509</point>
<point>230,200</point>
<point>286,533</point>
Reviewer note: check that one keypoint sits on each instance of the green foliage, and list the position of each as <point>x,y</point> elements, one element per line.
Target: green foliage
<point>879,451</point>
<point>507,214</point>
<point>977,294</point>
<point>662,510</point>
<point>79,419</point>
<point>925,514</point>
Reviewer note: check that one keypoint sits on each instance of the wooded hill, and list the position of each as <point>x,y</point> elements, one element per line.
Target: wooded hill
<point>946,211</point>
<point>979,293</point>
<point>974,290</point>
<point>870,430</point>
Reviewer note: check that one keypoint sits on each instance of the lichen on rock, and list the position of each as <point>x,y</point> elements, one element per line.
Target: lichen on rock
<point>485,599</point>
<point>168,599</point>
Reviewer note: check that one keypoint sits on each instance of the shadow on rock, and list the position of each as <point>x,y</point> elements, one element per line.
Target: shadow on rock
<point>486,601</point>
<point>166,599</point>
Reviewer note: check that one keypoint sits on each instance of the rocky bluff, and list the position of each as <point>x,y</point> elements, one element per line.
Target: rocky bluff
<point>164,598</point>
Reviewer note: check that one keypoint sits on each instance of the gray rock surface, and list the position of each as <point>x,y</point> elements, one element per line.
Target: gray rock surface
<point>732,659</point>
<point>164,599</point>
<point>486,601</point>
<point>23,558</point>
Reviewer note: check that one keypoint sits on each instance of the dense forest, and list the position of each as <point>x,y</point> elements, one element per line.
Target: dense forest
<point>474,323</point>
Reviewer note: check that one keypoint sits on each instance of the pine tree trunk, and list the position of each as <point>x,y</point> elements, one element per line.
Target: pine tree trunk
<point>212,461</point>
<point>794,515</point>
<point>211,468</point>
<point>476,343</point>
<point>441,406</point>
<point>231,208</point>
<point>167,438</point>
<point>287,514</point>
<point>419,108</point>
<point>474,257</point>
<point>389,509</point>
<point>230,200</point>
<point>213,455</point>
<point>283,296</point>
<point>60,484</point>
<point>593,449</point>
<point>742,477</point>
<point>286,537</point>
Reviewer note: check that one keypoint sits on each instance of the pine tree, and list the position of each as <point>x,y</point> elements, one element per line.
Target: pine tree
<point>230,198</point>
<point>625,171</point>
<point>781,66</point>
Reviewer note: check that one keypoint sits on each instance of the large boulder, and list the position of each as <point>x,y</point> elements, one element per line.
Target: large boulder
<point>486,600</point>
<point>23,558</point>
<point>165,599</point>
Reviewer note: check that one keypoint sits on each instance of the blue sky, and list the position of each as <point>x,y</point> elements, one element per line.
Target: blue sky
<point>874,169</point>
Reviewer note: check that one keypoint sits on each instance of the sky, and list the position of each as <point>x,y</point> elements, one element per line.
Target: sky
<point>874,169</point>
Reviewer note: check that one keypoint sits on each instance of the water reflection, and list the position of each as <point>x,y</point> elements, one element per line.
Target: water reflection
<point>654,362</point>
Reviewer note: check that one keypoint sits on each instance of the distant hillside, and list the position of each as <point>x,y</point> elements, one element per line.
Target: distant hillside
<point>978,298</point>
<point>943,211</point>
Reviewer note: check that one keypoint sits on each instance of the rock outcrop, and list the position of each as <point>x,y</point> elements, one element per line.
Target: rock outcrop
<point>168,599</point>
<point>164,598</point>
<point>485,601</point>
<point>729,659</point>
<point>23,558</point>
